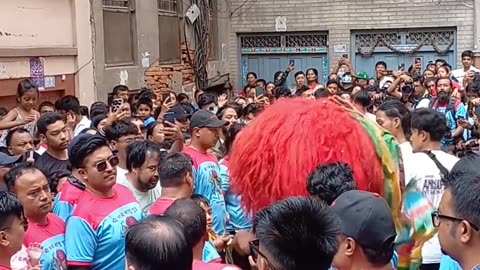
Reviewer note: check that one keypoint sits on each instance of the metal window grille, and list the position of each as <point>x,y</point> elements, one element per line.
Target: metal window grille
<point>306,40</point>
<point>266,41</point>
<point>115,3</point>
<point>439,37</point>
<point>168,5</point>
<point>369,39</point>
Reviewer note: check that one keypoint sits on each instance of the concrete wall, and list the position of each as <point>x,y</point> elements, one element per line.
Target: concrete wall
<point>147,42</point>
<point>36,23</point>
<point>49,29</point>
<point>339,18</point>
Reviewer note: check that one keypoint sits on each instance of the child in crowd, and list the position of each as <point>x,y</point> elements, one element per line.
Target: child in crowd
<point>24,114</point>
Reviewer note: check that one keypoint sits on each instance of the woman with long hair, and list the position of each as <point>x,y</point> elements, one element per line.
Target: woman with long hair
<point>312,79</point>
<point>239,220</point>
<point>394,116</point>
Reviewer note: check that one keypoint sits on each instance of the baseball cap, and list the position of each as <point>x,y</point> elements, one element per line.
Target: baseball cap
<point>180,112</point>
<point>362,76</point>
<point>6,160</point>
<point>366,217</point>
<point>76,140</point>
<point>203,118</point>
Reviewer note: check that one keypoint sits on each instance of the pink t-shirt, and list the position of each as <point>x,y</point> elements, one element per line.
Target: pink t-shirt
<point>52,238</point>
<point>198,265</point>
<point>160,206</point>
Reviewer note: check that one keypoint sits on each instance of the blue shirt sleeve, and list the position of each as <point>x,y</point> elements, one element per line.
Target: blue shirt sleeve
<point>62,209</point>
<point>461,112</point>
<point>80,241</point>
<point>224,180</point>
<point>448,263</point>
<point>207,183</point>
<point>210,253</point>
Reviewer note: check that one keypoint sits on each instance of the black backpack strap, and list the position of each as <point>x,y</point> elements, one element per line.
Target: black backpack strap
<point>76,183</point>
<point>443,171</point>
<point>432,104</point>
<point>451,108</point>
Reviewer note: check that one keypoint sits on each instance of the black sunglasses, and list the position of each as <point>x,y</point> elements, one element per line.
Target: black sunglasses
<point>436,220</point>
<point>255,251</point>
<point>102,165</point>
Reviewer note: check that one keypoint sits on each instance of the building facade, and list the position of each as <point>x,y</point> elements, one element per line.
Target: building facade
<point>86,47</point>
<point>150,43</point>
<point>40,39</point>
<point>266,35</point>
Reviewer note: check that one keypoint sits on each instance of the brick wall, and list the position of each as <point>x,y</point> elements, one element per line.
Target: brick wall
<point>340,17</point>
<point>160,78</point>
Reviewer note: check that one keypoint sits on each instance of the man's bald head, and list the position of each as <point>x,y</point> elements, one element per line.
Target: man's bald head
<point>158,242</point>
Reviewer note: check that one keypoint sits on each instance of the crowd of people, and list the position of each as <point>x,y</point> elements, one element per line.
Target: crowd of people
<point>143,182</point>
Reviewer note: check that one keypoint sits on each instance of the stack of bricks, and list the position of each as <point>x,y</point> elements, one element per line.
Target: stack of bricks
<point>159,78</point>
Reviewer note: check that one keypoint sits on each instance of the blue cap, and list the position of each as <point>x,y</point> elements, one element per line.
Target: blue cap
<point>149,121</point>
<point>76,139</point>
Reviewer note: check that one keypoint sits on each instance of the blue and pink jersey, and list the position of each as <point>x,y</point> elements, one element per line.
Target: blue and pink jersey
<point>160,206</point>
<point>240,219</point>
<point>207,183</point>
<point>66,200</point>
<point>197,265</point>
<point>210,253</point>
<point>95,235</point>
<point>52,238</point>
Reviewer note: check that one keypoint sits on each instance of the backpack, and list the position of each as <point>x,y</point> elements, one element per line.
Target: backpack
<point>430,103</point>
<point>443,171</point>
<point>452,107</point>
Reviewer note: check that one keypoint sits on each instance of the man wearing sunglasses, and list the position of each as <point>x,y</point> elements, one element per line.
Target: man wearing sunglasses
<point>31,187</point>
<point>95,234</point>
<point>12,228</point>
<point>296,233</point>
<point>458,220</point>
<point>205,128</point>
<point>119,136</point>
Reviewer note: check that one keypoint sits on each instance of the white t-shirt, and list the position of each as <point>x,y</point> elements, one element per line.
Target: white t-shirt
<point>459,74</point>
<point>421,167</point>
<point>83,124</point>
<point>423,103</point>
<point>371,116</point>
<point>145,199</point>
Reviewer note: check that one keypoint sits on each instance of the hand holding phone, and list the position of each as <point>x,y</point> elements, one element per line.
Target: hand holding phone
<point>117,104</point>
<point>169,117</point>
<point>292,62</point>
<point>165,96</point>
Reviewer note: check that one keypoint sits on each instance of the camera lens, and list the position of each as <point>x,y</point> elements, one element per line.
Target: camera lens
<point>407,89</point>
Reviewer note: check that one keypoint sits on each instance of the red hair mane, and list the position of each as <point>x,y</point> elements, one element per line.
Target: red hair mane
<point>272,158</point>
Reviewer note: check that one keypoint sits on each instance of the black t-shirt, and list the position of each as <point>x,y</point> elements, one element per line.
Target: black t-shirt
<point>49,164</point>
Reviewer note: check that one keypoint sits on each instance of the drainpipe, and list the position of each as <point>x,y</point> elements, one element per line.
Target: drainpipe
<point>476,32</point>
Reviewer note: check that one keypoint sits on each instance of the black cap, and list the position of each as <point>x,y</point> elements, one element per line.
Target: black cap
<point>366,217</point>
<point>6,160</point>
<point>203,118</point>
<point>180,112</point>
